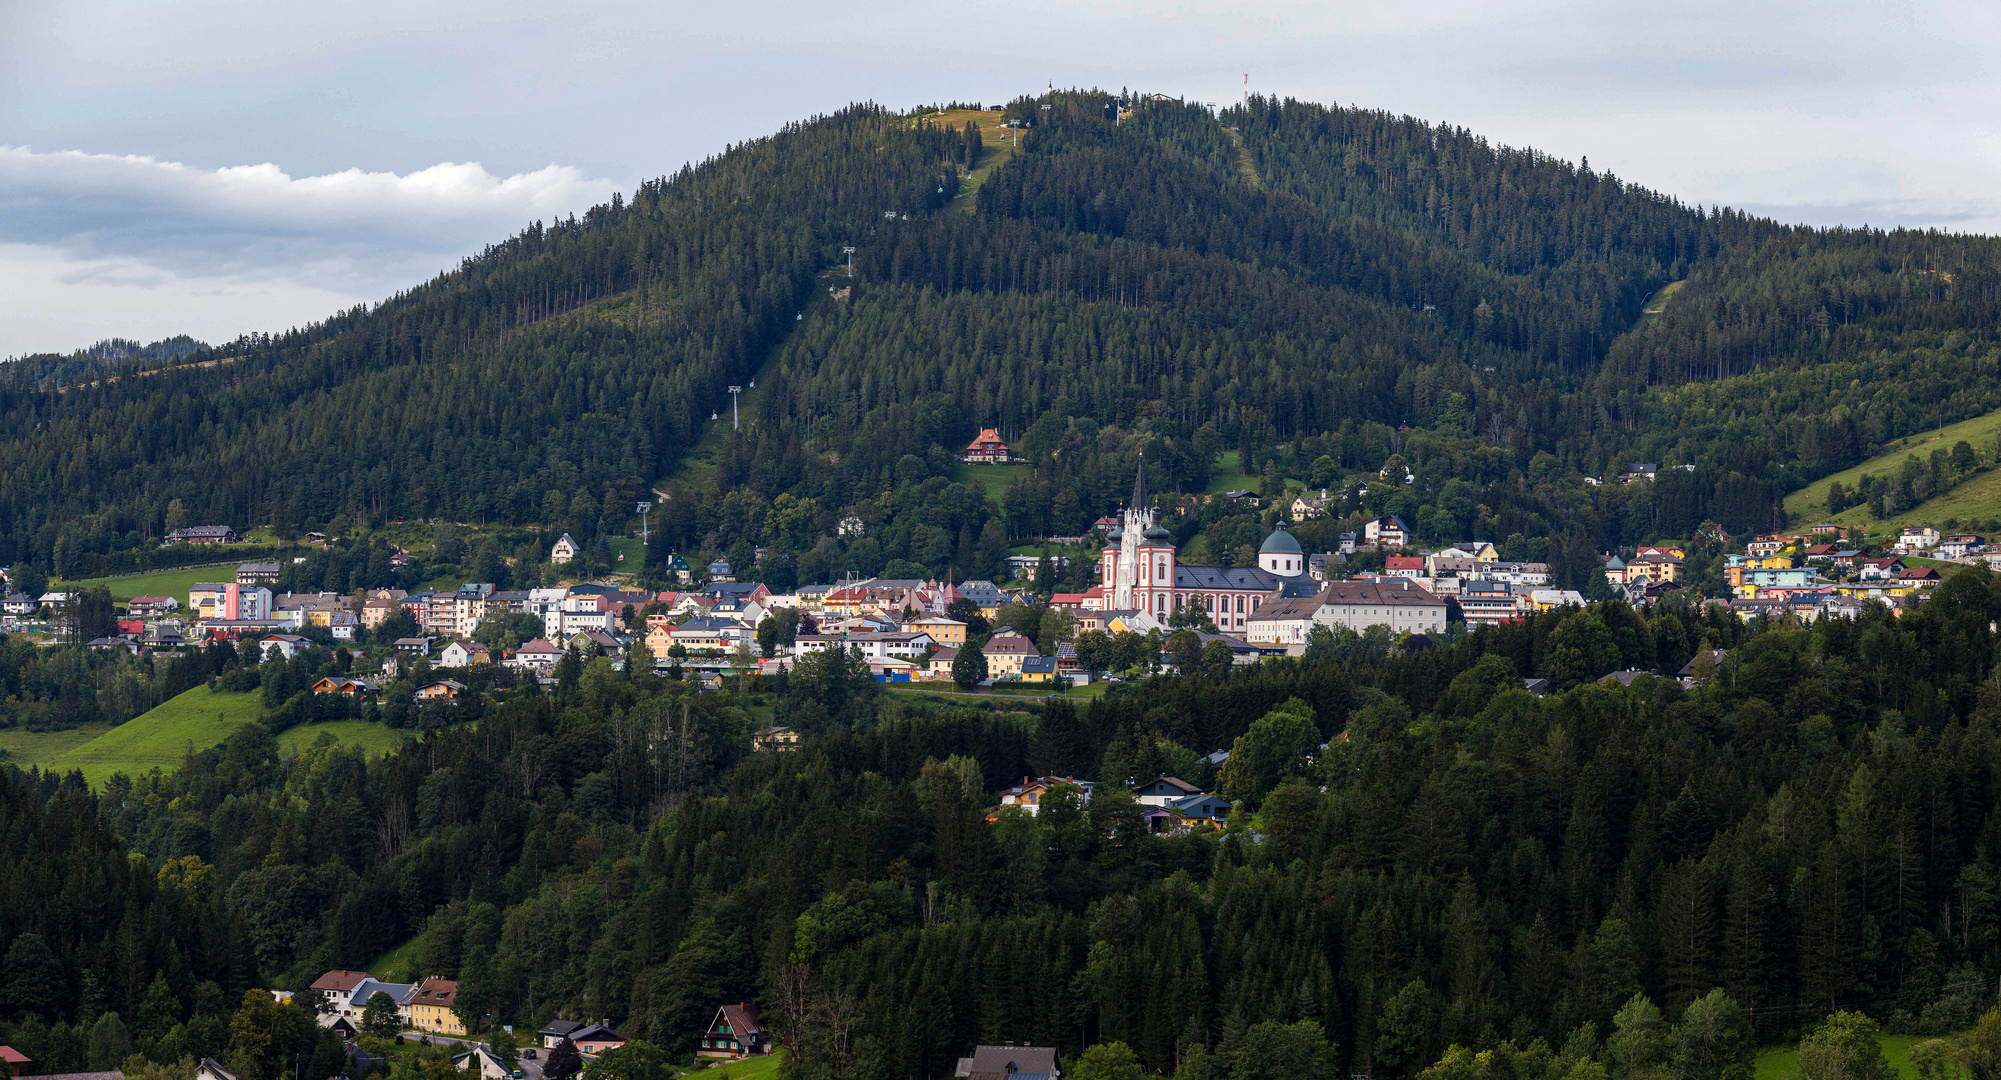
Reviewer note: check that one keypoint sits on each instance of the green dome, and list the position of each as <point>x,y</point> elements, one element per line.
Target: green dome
<point>1281,542</point>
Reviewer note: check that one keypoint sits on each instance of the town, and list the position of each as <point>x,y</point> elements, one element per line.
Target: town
<point>1146,611</point>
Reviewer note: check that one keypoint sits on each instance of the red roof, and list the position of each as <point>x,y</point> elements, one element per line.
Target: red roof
<point>1404,562</point>
<point>988,439</point>
<point>9,1054</point>
<point>340,982</point>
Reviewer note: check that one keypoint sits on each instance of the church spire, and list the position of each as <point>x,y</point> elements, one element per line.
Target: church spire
<point>1139,485</point>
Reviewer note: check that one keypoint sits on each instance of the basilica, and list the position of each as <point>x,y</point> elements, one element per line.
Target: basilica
<point>1140,573</point>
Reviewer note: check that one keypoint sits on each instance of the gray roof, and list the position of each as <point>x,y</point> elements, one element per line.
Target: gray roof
<point>369,987</point>
<point>1009,1059</point>
<point>1216,577</point>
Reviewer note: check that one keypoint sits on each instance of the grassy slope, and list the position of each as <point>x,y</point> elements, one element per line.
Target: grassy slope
<point>1780,1062</point>
<point>1979,496</point>
<point>160,738</point>
<point>994,152</point>
<point>174,583</point>
<point>756,1068</point>
<point>995,477</point>
<point>373,738</point>
<point>25,748</point>
<point>398,964</point>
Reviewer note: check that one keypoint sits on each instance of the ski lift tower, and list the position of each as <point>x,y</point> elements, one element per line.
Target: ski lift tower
<point>735,421</point>
<point>644,535</point>
<point>849,251</point>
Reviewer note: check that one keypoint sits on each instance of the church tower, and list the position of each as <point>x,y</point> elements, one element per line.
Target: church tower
<point>1138,566</point>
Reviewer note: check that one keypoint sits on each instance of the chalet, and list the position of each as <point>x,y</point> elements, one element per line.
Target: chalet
<point>563,550</point>
<point>104,643</point>
<point>1819,552</point>
<point>462,654</point>
<point>735,1032</point>
<point>203,534</point>
<point>1030,792</point>
<point>413,646</point>
<point>1639,470</point>
<point>443,690</point>
<point>1009,1062</point>
<point>987,448</point>
<point>596,1039</point>
<point>429,1007</point>
<point>19,604</point>
<point>1879,569</point>
<point>151,605</point>
<point>344,686</point>
<point>776,739</point>
<point>257,573</point>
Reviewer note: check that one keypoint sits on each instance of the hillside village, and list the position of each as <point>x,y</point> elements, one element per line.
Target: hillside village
<point>1145,612</point>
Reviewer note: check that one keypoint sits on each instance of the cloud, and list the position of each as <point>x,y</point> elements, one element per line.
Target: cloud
<point>145,221</point>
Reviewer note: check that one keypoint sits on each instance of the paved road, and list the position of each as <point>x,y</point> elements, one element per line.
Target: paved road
<point>530,1069</point>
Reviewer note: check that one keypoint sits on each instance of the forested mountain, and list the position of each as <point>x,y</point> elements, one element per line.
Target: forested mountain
<point>1288,280</point>
<point>1812,828</point>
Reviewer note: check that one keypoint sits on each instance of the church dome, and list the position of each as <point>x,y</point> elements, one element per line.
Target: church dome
<point>1280,542</point>
<point>1157,533</point>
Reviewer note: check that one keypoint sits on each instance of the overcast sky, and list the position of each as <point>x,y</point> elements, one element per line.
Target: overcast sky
<point>218,167</point>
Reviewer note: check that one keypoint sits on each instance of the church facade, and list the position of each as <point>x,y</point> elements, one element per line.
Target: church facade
<point>1138,571</point>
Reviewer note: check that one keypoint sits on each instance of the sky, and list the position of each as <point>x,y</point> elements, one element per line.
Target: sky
<point>215,168</point>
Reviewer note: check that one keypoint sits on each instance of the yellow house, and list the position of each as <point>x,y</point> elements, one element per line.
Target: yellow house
<point>1005,654</point>
<point>944,631</point>
<point>1038,669</point>
<point>429,1007</point>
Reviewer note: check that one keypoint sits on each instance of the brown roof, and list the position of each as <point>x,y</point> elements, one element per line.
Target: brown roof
<point>340,982</point>
<point>1296,608</point>
<point>742,1019</point>
<point>435,991</point>
<point>1371,592</point>
<point>1010,645</point>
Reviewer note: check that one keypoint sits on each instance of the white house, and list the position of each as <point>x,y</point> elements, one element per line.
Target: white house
<point>564,550</point>
<point>540,654</point>
<point>462,654</point>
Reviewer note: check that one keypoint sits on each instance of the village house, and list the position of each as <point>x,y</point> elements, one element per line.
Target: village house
<point>443,691</point>
<point>540,654</point>
<point>563,550</point>
<point>775,739</point>
<point>1005,653</point>
<point>335,987</point>
<point>1010,1061</point>
<point>735,1032</point>
<point>413,646</point>
<point>462,654</point>
<point>430,1007</point>
<point>1028,794</point>
<point>482,1060</point>
<point>940,629</point>
<point>344,686</point>
<point>150,606</point>
<point>939,667</point>
<point>596,1039</point>
<point>203,534</point>
<point>1388,531</point>
<point>986,448</point>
